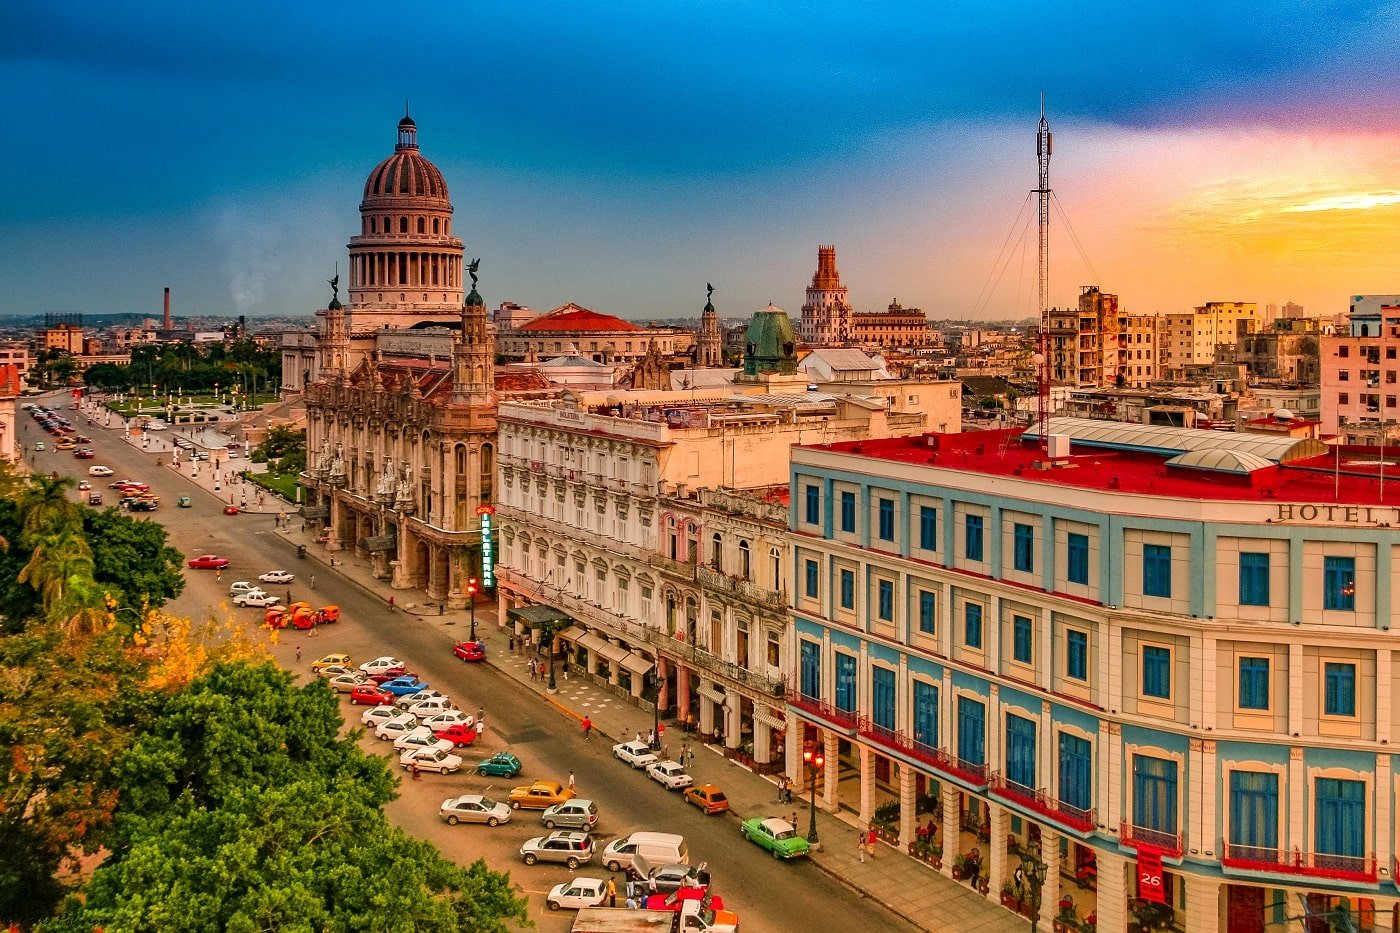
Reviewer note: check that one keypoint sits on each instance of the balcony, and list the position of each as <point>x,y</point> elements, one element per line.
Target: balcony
<point>1135,836</point>
<point>1297,862</point>
<point>740,586</point>
<point>1040,801</point>
<point>696,656</point>
<point>840,720</point>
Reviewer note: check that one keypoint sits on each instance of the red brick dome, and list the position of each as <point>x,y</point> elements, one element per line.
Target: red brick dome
<point>405,175</point>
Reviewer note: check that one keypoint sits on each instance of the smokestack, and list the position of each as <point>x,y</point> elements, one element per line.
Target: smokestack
<point>167,308</point>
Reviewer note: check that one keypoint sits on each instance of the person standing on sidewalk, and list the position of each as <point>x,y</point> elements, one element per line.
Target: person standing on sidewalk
<point>572,785</point>
<point>391,602</point>
<point>313,581</point>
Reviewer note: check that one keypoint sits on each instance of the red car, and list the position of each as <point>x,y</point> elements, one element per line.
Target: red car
<point>230,510</point>
<point>675,899</point>
<point>208,562</point>
<point>392,673</point>
<point>459,734</point>
<point>470,650</point>
<point>130,485</point>
<point>84,453</point>
<point>371,696</point>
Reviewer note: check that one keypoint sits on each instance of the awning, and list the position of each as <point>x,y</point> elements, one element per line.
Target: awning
<point>614,653</point>
<point>538,616</point>
<point>709,692</point>
<point>572,633</point>
<point>315,511</point>
<point>637,664</point>
<point>767,716</point>
<point>590,641</point>
<point>380,543</point>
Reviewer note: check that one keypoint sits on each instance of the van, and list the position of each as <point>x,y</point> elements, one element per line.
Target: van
<point>654,848</point>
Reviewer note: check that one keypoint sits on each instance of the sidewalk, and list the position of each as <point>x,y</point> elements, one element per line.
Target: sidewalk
<point>903,885</point>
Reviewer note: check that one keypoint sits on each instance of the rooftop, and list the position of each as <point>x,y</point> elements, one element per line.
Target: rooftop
<point>572,317</point>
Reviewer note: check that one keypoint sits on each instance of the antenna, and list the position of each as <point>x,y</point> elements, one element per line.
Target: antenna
<point>1044,144</point>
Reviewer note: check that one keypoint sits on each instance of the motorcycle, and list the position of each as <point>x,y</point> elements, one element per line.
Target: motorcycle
<point>301,550</point>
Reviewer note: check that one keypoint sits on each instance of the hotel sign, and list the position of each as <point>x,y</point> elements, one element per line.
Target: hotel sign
<point>488,548</point>
<point>1345,514</point>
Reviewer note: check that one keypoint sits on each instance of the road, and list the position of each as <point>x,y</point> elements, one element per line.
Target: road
<point>767,895</point>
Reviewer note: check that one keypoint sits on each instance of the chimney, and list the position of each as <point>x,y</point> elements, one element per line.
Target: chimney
<point>167,308</point>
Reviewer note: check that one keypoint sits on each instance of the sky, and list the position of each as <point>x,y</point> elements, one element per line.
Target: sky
<point>622,155</point>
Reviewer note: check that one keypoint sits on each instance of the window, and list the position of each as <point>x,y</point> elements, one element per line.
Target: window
<point>926,604</point>
<point>1076,772</point>
<point>928,528</point>
<point>1021,639</point>
<point>848,589</point>
<point>972,538</point>
<point>1156,570</point>
<point>848,511</point>
<point>811,684</point>
<point>886,528</point>
<point>1254,813</point>
<point>1023,548</point>
<point>972,719</point>
<point>1077,654</point>
<point>1340,827</point>
<point>745,564</point>
<point>1254,579</point>
<point>882,697</point>
<point>1154,793</point>
<point>884,600</point>
<point>1156,672</point>
<point>1254,683</point>
<point>972,625</point>
<point>812,579</point>
<point>1077,562</point>
<point>845,682</point>
<point>925,714</point>
<point>1020,751</point>
<point>1339,689</point>
<point>813,498</point>
<point>717,551</point>
<point>1344,398</point>
<point>1339,583</point>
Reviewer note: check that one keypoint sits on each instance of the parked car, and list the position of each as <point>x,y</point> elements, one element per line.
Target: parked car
<point>256,598</point>
<point>669,774</point>
<point>391,674</point>
<point>344,683</point>
<point>382,665</point>
<point>676,899</point>
<point>569,848</point>
<point>393,728</point>
<point>470,650</point>
<point>777,836</point>
<point>707,797</point>
<point>577,894</point>
<point>277,576</point>
<point>39,445</point>
<point>400,686</point>
<point>460,734</point>
<point>410,699</point>
<point>501,764</point>
<point>329,660</point>
<point>335,670</point>
<point>239,587</point>
<point>97,470</point>
<point>430,707</point>
<point>371,695</point>
<point>437,760</point>
<point>539,795</point>
<point>420,736</point>
<point>377,714</point>
<point>473,808</point>
<point>84,453</point>
<point>636,754</point>
<point>95,499</point>
<point>208,562</point>
<point>571,814</point>
<point>669,878</point>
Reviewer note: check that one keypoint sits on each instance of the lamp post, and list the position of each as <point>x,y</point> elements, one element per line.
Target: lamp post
<point>1034,871</point>
<point>654,687</point>
<point>812,758</point>
<point>471,598</point>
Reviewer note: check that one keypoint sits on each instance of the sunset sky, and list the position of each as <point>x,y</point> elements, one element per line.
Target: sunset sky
<point>621,155</point>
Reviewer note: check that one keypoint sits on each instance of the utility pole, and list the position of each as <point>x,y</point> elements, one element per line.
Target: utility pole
<point>1044,143</point>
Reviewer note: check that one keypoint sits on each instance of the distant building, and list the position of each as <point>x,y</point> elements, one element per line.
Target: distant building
<point>1360,388</point>
<point>1139,344</point>
<point>1287,351</point>
<point>510,315</point>
<point>66,337</point>
<point>1084,347</point>
<point>897,326</point>
<point>600,337</point>
<point>709,348</point>
<point>1193,337</point>
<point>16,353</point>
<point>826,314</point>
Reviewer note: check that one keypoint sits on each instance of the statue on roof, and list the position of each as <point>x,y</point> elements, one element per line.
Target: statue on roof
<point>471,270</point>
<point>334,283</point>
<point>709,291</point>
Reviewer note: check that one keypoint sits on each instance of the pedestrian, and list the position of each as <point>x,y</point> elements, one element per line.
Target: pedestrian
<point>441,606</point>
<point>612,892</point>
<point>793,819</point>
<point>638,738</point>
<point>860,847</point>
<point>870,838</point>
<point>572,785</point>
<point>298,653</point>
<point>391,603</point>
<point>416,775</point>
<point>530,669</point>
<point>566,669</point>
<point>631,898</point>
<point>289,596</point>
<point>512,640</point>
<point>480,728</point>
<point>587,728</point>
<point>218,574</point>
<point>313,581</point>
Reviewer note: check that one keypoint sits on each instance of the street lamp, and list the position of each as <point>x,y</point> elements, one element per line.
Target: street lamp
<point>1033,869</point>
<point>471,598</point>
<point>812,758</point>
<point>654,686</point>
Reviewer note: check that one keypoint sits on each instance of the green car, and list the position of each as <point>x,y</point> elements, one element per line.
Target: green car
<point>501,764</point>
<point>777,836</point>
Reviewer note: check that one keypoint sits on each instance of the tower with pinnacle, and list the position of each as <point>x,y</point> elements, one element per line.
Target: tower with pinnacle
<point>826,315</point>
<point>473,353</point>
<point>708,343</point>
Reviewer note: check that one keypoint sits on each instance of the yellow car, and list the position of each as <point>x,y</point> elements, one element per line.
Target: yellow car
<point>707,797</point>
<point>330,660</point>
<point>540,795</point>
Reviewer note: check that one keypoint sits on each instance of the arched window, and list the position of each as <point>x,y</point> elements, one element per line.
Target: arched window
<point>403,224</point>
<point>422,225</point>
<point>775,557</point>
<point>717,551</point>
<point>744,559</point>
<point>488,472</point>
<point>436,224</point>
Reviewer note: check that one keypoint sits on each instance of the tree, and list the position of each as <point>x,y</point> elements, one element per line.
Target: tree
<point>279,441</point>
<point>132,561</point>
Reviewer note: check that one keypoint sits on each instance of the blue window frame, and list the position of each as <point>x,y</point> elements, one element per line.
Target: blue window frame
<point>928,528</point>
<point>972,625</point>
<point>1254,579</point>
<point>926,604</point>
<point>1339,583</point>
<point>813,578</point>
<point>972,537</point>
<point>811,685</point>
<point>1156,570</point>
<point>1340,819</point>
<point>926,714</point>
<point>1020,751</point>
<point>1254,683</point>
<point>1339,689</point>
<point>972,731</point>
<point>848,589</point>
<point>1077,558</point>
<point>1023,548</point>
<point>886,522</point>
<point>1156,672</point>
<point>848,511</point>
<point>1154,793</point>
<point>1254,810</point>
<point>1022,640</point>
<point>1076,654</point>
<point>845,682</point>
<point>813,498</point>
<point>1076,771</point>
<point>884,600</point>
<point>882,697</point>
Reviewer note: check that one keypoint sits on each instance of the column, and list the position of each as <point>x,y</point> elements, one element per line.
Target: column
<point>997,824</point>
<point>1050,891</point>
<point>1113,892</point>
<point>638,682</point>
<point>830,750</point>
<point>614,671</point>
<point>794,750</point>
<point>867,784</point>
<point>762,743</point>
<point>907,803</point>
<point>951,831</point>
<point>682,692</point>
<point>707,715</point>
<point>1202,903</point>
<point>732,731</point>
<point>663,696</point>
<point>590,661</point>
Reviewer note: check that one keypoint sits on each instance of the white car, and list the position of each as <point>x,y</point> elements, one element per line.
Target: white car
<point>242,586</point>
<point>84,485</point>
<point>277,576</point>
<point>255,598</point>
<point>425,708</point>
<point>413,699</point>
<point>669,774</point>
<point>379,665</point>
<point>474,808</point>
<point>431,759</point>
<point>157,426</point>
<point>395,727</point>
<point>344,683</point>
<point>636,754</point>
<point>373,716</point>
<point>444,720</point>
<point>99,471</point>
<point>577,894</point>
<point>420,737</point>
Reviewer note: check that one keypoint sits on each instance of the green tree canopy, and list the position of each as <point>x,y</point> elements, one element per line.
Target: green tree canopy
<point>132,561</point>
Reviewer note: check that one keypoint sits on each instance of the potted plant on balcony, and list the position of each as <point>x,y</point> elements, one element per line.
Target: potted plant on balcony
<point>1066,920</point>
<point>1011,897</point>
<point>886,821</point>
<point>960,865</point>
<point>1149,916</point>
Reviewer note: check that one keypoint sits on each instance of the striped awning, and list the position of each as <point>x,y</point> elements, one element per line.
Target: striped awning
<point>637,664</point>
<point>712,693</point>
<point>768,717</point>
<point>614,653</point>
<point>590,641</point>
<point>573,633</point>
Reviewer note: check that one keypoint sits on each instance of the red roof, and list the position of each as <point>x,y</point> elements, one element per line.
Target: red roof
<point>9,380</point>
<point>572,317</point>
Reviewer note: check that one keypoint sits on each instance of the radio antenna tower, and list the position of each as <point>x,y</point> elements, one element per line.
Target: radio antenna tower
<point>1044,144</point>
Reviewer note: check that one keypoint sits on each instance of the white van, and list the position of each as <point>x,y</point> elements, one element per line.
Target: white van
<point>654,848</point>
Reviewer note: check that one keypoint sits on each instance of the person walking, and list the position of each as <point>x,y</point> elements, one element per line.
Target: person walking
<point>587,728</point>
<point>860,847</point>
<point>793,819</point>
<point>313,581</point>
<point>612,892</point>
<point>572,785</point>
<point>870,838</point>
<point>416,775</point>
<point>530,669</point>
<point>391,602</point>
<point>298,653</point>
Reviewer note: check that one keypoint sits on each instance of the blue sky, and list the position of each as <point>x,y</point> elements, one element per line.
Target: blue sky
<point>622,155</point>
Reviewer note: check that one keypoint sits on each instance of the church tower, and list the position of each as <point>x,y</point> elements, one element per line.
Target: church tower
<point>826,316</point>
<point>473,369</point>
<point>708,353</point>
<point>335,334</point>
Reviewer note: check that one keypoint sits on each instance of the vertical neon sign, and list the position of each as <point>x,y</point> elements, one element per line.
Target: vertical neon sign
<point>488,548</point>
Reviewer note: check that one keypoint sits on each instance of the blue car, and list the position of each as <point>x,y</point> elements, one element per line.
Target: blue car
<point>403,686</point>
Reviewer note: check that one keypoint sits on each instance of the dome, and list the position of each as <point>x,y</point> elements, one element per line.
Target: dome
<point>407,123</point>
<point>405,174</point>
